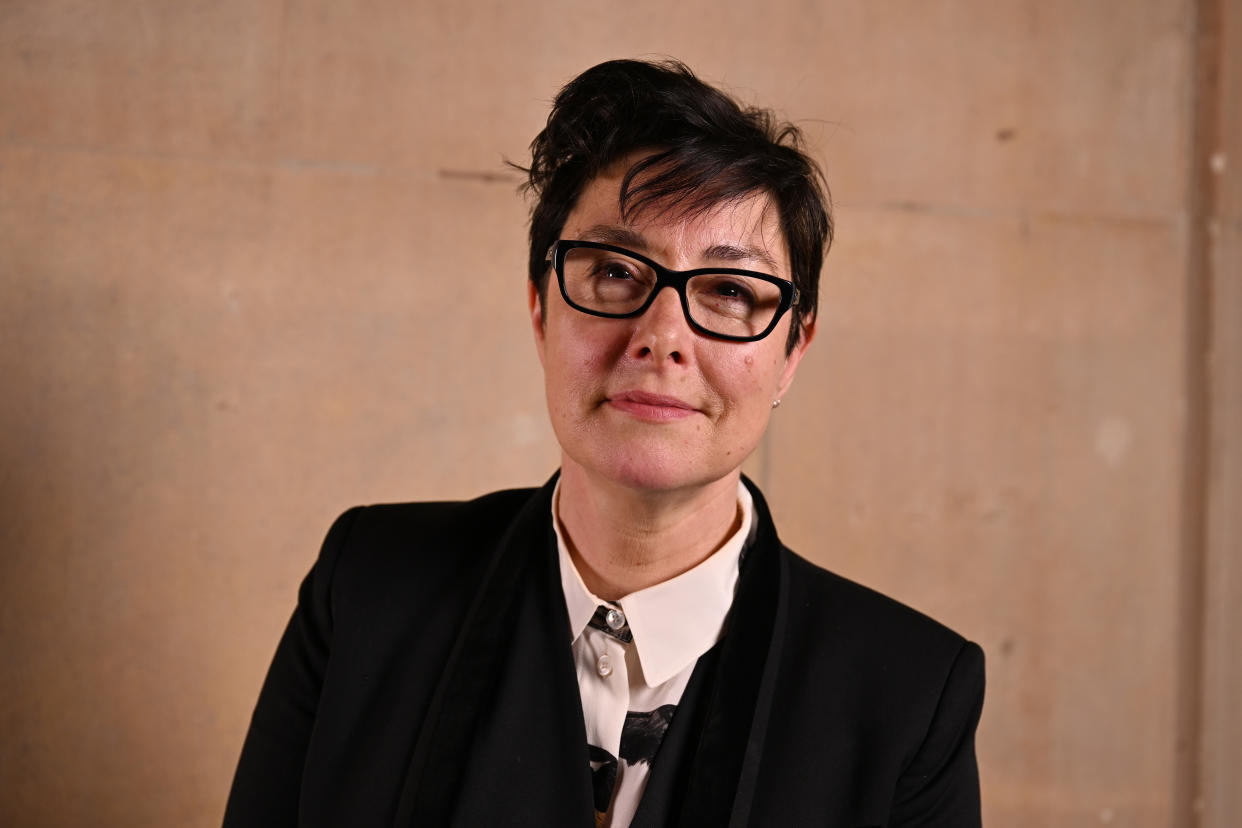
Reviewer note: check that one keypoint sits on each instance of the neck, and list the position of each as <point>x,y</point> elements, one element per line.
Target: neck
<point>623,539</point>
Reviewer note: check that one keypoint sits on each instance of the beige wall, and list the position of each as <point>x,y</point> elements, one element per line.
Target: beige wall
<point>261,260</point>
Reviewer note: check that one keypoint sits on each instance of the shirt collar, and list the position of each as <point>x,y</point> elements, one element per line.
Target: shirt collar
<point>675,621</point>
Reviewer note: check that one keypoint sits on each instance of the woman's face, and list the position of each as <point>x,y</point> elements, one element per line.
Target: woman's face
<point>648,402</point>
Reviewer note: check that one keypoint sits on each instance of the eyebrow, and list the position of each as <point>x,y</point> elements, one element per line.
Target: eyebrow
<point>625,237</point>
<point>614,234</point>
<point>734,253</point>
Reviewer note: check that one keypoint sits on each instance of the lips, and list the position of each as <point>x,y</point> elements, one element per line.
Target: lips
<point>651,407</point>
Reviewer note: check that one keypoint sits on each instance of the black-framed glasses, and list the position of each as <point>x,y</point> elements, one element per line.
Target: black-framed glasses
<point>724,302</point>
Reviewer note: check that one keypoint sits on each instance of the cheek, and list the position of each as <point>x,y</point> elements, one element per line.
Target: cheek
<point>752,378</point>
<point>577,366</point>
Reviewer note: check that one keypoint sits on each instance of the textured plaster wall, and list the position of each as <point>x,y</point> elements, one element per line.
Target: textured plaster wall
<point>262,260</point>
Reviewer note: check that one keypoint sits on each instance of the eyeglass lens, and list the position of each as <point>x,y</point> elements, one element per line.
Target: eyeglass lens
<point>723,303</point>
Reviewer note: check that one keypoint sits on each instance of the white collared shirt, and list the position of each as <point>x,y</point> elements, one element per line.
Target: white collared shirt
<point>671,624</point>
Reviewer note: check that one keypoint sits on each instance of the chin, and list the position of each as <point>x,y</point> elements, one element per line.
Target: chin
<point>654,469</point>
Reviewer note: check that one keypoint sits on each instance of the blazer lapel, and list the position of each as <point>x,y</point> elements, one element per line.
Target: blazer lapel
<point>705,773</point>
<point>670,773</point>
<point>504,739</point>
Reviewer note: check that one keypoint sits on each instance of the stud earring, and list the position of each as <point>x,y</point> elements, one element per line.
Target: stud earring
<point>776,403</point>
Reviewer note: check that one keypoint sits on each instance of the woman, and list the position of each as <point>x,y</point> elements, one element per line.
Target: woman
<point>629,644</point>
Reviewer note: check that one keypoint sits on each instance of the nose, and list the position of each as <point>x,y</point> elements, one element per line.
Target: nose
<point>662,332</point>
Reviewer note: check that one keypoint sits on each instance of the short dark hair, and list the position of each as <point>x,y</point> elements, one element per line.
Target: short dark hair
<point>706,149</point>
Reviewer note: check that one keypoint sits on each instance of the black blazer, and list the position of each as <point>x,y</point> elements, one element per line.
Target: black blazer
<point>426,679</point>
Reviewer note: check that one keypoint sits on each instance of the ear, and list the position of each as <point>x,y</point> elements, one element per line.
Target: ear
<point>795,357</point>
<point>536,316</point>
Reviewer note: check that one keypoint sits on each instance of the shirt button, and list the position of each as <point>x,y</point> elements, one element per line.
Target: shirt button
<point>614,619</point>
<point>603,666</point>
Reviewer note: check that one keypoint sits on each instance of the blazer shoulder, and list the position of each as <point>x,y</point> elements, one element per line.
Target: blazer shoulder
<point>393,548</point>
<point>822,597</point>
<point>896,656</point>
<point>461,520</point>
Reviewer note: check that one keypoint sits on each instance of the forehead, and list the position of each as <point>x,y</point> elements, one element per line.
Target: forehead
<point>745,232</point>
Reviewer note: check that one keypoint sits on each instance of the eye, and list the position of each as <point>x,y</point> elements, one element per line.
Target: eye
<point>615,270</point>
<point>729,289</point>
